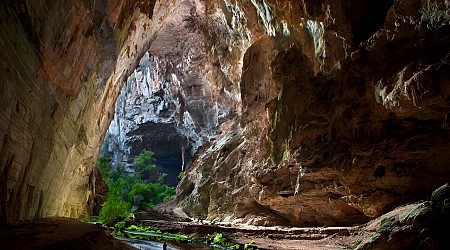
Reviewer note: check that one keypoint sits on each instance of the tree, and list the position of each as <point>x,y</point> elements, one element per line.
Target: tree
<point>104,166</point>
<point>115,207</point>
<point>144,161</point>
<point>152,193</point>
<point>125,190</point>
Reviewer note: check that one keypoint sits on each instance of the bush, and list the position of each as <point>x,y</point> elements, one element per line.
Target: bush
<point>144,161</point>
<point>125,190</point>
<point>221,240</point>
<point>152,193</point>
<point>115,207</point>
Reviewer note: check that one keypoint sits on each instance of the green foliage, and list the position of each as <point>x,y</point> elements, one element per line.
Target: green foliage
<point>152,193</point>
<point>181,175</point>
<point>119,225</point>
<point>115,207</point>
<point>246,246</point>
<point>162,178</point>
<point>89,219</point>
<point>104,166</point>
<point>126,190</point>
<point>177,236</point>
<point>118,172</point>
<point>138,228</point>
<point>144,161</point>
<point>221,240</point>
<point>218,239</point>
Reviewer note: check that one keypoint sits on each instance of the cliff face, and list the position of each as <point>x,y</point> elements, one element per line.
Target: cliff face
<point>309,113</point>
<point>62,65</point>
<point>345,108</point>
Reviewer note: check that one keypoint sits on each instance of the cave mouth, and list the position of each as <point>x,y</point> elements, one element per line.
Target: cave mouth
<point>146,119</point>
<point>162,139</point>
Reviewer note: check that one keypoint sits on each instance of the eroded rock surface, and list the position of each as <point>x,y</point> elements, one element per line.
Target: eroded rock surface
<point>62,66</point>
<point>345,112</point>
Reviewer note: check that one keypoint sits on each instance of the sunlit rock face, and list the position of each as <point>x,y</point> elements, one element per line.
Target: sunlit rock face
<point>62,66</point>
<point>344,115</point>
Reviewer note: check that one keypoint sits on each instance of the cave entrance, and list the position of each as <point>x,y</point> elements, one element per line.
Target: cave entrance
<point>146,119</point>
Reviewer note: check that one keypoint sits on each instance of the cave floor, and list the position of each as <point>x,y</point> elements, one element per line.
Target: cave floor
<point>276,237</point>
<point>58,233</point>
<point>63,233</point>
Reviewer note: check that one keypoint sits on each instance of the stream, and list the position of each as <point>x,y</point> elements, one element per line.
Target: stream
<point>154,245</point>
<point>172,243</point>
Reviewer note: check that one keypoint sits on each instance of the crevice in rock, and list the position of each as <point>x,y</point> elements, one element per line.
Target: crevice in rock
<point>366,17</point>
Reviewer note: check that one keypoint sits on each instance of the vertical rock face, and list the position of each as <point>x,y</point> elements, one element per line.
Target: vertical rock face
<point>345,108</point>
<point>59,82</point>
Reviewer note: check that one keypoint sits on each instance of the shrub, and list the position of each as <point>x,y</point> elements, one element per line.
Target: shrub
<point>104,166</point>
<point>152,193</point>
<point>144,161</point>
<point>114,206</point>
<point>221,240</point>
<point>125,190</point>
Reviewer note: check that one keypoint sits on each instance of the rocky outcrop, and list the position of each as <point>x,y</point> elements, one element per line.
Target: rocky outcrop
<point>344,116</point>
<point>422,225</point>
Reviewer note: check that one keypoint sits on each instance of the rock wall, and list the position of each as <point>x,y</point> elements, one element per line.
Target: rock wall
<point>62,66</point>
<point>344,115</point>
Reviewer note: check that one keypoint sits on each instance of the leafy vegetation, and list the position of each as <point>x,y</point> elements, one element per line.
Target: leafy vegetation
<point>146,195</point>
<point>131,191</point>
<point>221,240</point>
<point>177,236</point>
<point>181,175</point>
<point>147,233</point>
<point>246,246</point>
<point>115,206</point>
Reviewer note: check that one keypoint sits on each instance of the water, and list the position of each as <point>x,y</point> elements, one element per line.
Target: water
<point>154,245</point>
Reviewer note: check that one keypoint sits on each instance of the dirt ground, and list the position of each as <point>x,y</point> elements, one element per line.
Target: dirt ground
<point>57,233</point>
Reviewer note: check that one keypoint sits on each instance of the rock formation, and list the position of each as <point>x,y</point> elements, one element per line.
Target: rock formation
<point>62,66</point>
<point>304,112</point>
<point>344,116</point>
